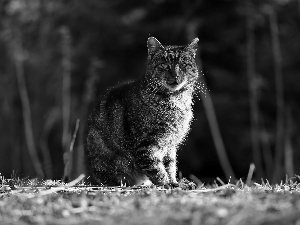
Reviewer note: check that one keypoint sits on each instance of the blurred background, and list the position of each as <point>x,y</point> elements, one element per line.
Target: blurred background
<point>56,56</point>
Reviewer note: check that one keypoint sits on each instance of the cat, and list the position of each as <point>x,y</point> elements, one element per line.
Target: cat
<point>134,130</point>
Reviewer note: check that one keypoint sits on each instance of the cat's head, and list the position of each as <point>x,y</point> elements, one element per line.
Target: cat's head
<point>172,68</point>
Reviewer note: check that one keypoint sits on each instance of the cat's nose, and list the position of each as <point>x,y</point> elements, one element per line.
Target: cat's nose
<point>177,74</point>
<point>175,70</point>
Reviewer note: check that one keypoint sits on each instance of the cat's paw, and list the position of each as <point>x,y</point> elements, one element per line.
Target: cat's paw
<point>171,185</point>
<point>185,184</point>
<point>174,184</point>
<point>146,183</point>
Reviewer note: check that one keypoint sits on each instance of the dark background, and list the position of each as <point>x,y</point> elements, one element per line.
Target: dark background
<point>55,56</point>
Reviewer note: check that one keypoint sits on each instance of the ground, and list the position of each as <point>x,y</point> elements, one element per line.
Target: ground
<point>53,202</point>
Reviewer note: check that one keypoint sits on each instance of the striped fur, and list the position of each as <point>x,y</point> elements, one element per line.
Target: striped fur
<point>135,129</point>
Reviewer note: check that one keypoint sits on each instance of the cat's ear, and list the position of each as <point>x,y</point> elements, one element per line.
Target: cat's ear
<point>153,45</point>
<point>193,46</point>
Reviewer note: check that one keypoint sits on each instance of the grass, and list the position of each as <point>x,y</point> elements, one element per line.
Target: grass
<point>32,201</point>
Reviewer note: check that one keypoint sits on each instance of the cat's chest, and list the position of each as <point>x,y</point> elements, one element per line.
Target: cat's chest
<point>164,118</point>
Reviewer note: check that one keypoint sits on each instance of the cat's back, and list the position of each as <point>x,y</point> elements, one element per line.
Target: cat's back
<point>110,107</point>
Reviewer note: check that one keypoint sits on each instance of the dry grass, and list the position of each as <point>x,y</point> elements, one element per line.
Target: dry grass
<point>53,202</point>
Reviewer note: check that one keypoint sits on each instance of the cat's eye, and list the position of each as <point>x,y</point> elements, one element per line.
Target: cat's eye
<point>164,66</point>
<point>188,66</point>
<point>185,66</point>
<point>186,58</point>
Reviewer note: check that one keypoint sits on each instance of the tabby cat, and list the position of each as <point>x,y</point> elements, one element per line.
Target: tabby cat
<point>135,129</point>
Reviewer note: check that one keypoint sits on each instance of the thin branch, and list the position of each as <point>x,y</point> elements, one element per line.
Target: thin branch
<point>253,94</point>
<point>280,112</point>
<point>250,174</point>
<point>196,180</point>
<point>68,156</point>
<point>74,135</point>
<point>19,57</point>
<point>288,153</point>
<point>66,86</point>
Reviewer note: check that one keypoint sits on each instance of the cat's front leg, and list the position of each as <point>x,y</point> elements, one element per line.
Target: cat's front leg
<point>150,160</point>
<point>171,167</point>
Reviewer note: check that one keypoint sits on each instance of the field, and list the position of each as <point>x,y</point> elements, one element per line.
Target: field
<point>32,201</point>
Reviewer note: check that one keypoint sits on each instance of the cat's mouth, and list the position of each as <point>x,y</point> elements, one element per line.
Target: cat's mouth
<point>174,86</point>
